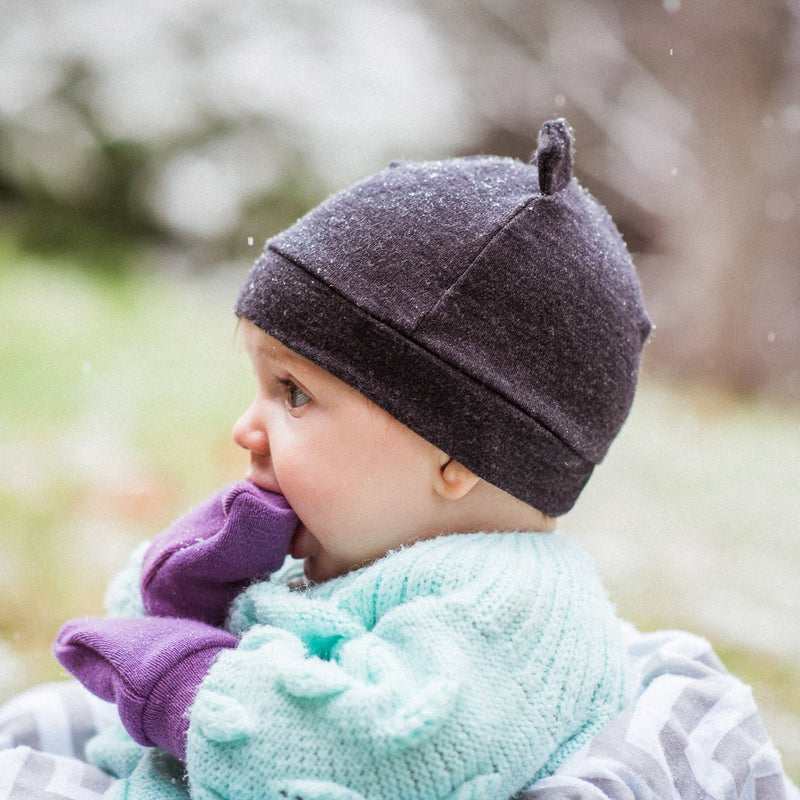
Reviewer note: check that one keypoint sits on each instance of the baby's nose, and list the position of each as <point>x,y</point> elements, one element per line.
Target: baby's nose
<point>250,434</point>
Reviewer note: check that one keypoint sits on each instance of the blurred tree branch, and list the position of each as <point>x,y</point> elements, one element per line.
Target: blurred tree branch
<point>687,128</point>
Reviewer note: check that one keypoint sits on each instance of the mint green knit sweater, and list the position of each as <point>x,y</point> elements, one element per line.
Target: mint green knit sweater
<point>460,667</point>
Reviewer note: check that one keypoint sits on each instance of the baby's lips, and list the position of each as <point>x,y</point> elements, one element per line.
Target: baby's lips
<point>261,497</point>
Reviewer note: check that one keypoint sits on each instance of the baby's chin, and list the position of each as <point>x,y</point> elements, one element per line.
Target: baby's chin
<point>317,572</point>
<point>319,567</point>
<point>306,549</point>
<point>299,547</point>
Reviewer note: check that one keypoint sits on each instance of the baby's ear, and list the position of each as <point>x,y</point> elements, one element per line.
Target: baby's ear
<point>453,480</point>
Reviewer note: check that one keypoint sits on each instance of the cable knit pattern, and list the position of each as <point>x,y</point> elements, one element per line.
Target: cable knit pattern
<point>460,667</point>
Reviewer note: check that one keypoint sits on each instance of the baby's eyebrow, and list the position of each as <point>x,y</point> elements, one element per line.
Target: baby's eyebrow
<point>280,353</point>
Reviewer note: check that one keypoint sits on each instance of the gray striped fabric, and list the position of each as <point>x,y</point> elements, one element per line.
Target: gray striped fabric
<point>43,733</point>
<point>54,718</point>
<point>693,733</point>
<point>26,774</point>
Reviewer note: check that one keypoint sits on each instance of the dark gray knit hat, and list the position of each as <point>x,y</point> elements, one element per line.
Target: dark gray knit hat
<point>489,305</point>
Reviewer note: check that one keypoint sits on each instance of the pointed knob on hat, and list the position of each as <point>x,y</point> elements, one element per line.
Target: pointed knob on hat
<point>553,156</point>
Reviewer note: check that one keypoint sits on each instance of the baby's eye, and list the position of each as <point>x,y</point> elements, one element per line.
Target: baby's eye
<point>295,396</point>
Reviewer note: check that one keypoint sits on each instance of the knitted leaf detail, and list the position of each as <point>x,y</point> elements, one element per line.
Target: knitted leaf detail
<point>319,625</point>
<point>392,706</point>
<point>420,717</point>
<point>222,719</point>
<point>313,679</point>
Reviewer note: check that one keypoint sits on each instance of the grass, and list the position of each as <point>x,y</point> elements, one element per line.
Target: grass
<point>116,401</point>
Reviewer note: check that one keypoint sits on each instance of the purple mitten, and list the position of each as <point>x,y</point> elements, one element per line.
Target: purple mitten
<point>201,562</point>
<point>150,667</point>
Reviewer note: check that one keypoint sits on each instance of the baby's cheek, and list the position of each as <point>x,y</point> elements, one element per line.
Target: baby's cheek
<point>317,503</point>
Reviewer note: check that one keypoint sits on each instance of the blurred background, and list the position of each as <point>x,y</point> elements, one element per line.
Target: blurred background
<point>147,151</point>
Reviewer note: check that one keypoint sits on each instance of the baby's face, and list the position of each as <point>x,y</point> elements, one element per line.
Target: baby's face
<point>359,481</point>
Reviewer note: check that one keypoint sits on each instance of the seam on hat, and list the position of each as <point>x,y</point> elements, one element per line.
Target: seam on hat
<point>538,420</point>
<point>453,284</point>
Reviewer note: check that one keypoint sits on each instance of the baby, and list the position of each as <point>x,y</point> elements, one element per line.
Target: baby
<point>442,353</point>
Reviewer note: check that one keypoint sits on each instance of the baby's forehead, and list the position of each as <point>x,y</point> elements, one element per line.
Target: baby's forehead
<point>261,344</point>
